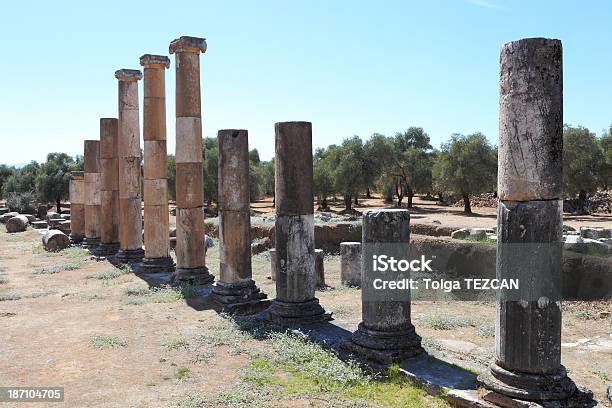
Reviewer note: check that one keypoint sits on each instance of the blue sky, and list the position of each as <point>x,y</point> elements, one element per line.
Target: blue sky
<point>350,67</point>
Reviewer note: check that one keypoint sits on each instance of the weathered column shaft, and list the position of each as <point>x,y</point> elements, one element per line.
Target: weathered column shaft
<point>320,267</point>
<point>92,193</point>
<point>235,291</point>
<point>156,215</point>
<point>295,257</point>
<point>190,254</point>
<point>529,223</point>
<point>234,207</point>
<point>350,263</point>
<point>386,333</point>
<point>77,206</point>
<point>130,213</point>
<point>109,194</point>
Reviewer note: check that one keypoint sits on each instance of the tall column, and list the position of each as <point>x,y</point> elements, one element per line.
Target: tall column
<point>235,291</point>
<point>190,253</point>
<point>130,212</point>
<point>296,279</point>
<point>156,216</point>
<point>92,194</point>
<point>386,333</point>
<point>527,365</point>
<point>109,194</point>
<point>77,206</point>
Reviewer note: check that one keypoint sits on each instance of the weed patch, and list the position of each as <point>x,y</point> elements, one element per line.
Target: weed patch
<point>107,342</point>
<point>66,266</point>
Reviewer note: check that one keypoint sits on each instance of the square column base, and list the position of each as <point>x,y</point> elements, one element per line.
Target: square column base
<point>291,314</point>
<point>383,347</point>
<point>157,265</point>
<point>239,299</point>
<point>527,386</point>
<point>90,243</point>
<point>105,249</point>
<point>194,276</point>
<point>129,256</point>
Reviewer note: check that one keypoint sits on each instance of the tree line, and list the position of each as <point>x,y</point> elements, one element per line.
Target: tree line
<point>397,166</point>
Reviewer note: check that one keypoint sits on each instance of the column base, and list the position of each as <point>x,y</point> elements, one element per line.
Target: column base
<point>157,265</point>
<point>297,313</point>
<point>105,249</point>
<point>195,276</point>
<point>383,347</point>
<point>527,386</point>
<point>76,238</point>
<point>240,299</point>
<point>126,256</point>
<point>90,243</point>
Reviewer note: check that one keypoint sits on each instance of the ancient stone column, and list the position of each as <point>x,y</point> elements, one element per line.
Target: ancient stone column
<point>109,194</point>
<point>386,334</point>
<point>190,253</point>
<point>527,365</point>
<point>272,253</point>
<point>156,216</point>
<point>296,278</point>
<point>320,267</point>
<point>350,263</point>
<point>130,212</point>
<point>92,194</point>
<point>235,291</point>
<point>77,206</point>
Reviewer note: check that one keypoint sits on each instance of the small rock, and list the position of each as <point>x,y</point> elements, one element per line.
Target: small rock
<point>460,233</point>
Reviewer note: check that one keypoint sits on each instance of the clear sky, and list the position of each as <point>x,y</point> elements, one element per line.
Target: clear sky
<point>350,67</point>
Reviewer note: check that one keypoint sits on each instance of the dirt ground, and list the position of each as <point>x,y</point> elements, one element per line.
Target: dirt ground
<point>430,212</point>
<point>111,343</point>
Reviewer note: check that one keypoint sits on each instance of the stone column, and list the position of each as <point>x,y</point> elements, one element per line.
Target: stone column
<point>77,206</point>
<point>235,291</point>
<point>92,194</point>
<point>156,216</point>
<point>527,365</point>
<point>109,194</point>
<point>130,202</point>
<point>320,267</point>
<point>190,253</point>
<point>296,278</point>
<point>386,334</point>
<point>350,263</point>
<point>272,253</point>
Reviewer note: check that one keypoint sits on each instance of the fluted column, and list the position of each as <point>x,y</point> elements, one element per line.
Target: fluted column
<point>235,291</point>
<point>190,253</point>
<point>156,216</point>
<point>109,194</point>
<point>92,194</point>
<point>130,202</point>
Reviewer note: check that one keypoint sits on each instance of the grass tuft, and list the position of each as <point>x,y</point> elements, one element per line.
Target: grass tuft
<point>107,342</point>
<point>163,294</point>
<point>109,274</point>
<point>444,322</point>
<point>181,373</point>
<point>66,266</point>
